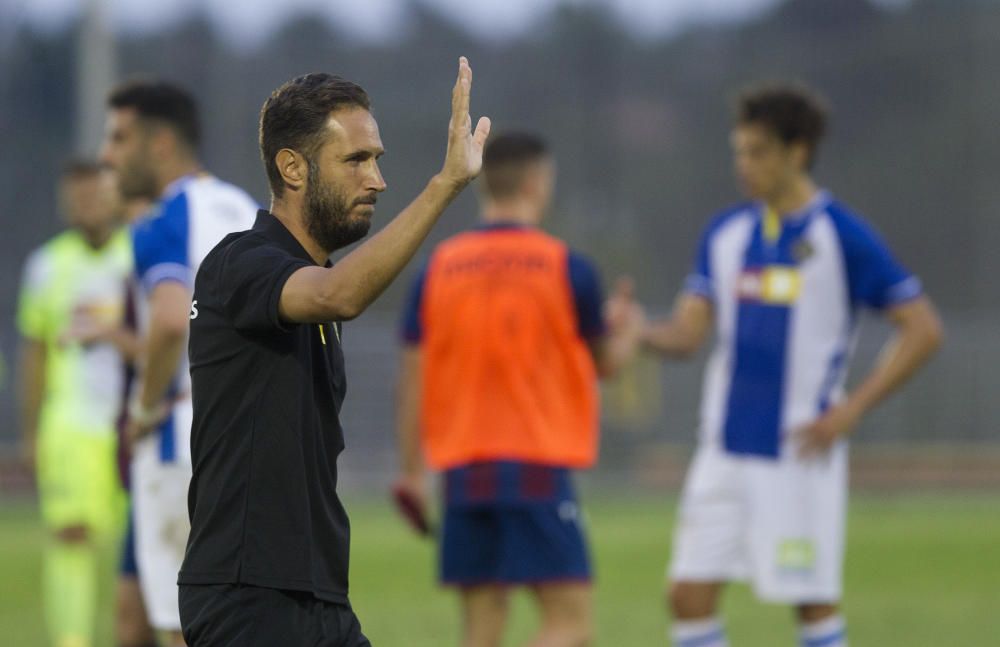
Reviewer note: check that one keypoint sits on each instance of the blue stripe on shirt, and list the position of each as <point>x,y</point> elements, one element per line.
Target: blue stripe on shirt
<point>756,395</point>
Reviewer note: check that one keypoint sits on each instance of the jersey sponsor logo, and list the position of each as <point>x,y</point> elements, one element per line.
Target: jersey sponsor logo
<point>771,285</point>
<point>796,555</point>
<point>492,261</point>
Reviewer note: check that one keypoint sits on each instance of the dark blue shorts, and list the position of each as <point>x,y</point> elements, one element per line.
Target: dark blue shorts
<point>504,543</point>
<point>129,567</point>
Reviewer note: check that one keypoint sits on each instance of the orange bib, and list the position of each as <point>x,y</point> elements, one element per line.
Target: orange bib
<point>506,375</point>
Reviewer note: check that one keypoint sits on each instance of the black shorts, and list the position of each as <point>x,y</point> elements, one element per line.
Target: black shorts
<point>221,615</point>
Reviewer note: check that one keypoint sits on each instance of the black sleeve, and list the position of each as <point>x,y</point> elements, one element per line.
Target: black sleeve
<point>252,277</point>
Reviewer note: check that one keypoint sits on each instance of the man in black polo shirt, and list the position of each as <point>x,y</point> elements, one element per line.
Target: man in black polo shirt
<point>267,557</point>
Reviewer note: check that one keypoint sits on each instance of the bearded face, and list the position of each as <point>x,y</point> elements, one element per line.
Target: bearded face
<point>331,217</point>
<point>126,149</point>
<point>136,179</point>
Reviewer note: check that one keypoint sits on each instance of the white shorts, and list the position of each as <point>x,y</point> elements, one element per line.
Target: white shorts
<point>778,523</point>
<point>159,500</point>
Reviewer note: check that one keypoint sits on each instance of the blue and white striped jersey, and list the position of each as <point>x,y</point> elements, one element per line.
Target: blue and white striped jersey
<point>192,216</point>
<point>786,299</point>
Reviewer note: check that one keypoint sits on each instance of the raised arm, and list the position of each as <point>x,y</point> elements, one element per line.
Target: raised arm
<point>343,291</point>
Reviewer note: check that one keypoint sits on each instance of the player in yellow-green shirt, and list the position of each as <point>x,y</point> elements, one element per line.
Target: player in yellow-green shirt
<point>69,317</point>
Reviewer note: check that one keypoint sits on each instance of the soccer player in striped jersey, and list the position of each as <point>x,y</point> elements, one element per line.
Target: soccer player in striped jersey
<point>781,279</point>
<point>151,141</point>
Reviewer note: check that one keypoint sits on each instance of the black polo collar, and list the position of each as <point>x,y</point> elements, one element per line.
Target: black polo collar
<point>274,230</point>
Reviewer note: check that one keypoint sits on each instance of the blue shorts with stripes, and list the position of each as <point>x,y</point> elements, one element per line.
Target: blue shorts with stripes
<point>511,523</point>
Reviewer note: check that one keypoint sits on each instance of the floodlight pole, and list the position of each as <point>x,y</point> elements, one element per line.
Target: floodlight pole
<point>96,70</point>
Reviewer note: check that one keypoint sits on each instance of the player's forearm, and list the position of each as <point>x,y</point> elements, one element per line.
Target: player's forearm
<point>127,343</point>
<point>408,396</point>
<point>349,287</point>
<point>411,461</point>
<point>162,357</point>
<point>31,387</point>
<point>669,338</point>
<point>909,349</point>
<point>683,334</point>
<point>615,353</point>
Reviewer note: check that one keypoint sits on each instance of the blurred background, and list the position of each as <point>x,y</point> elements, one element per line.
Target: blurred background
<point>634,97</point>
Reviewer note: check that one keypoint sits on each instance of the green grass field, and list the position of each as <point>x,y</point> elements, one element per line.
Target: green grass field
<point>922,570</point>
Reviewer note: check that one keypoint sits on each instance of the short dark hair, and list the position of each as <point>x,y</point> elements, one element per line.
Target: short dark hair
<point>793,112</point>
<point>296,114</point>
<point>163,102</point>
<point>505,158</point>
<point>80,168</point>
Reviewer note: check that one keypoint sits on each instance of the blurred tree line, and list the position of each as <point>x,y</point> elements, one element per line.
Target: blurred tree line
<point>639,126</point>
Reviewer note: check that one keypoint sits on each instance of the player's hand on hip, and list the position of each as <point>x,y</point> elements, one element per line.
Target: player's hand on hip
<point>464,158</point>
<point>818,437</point>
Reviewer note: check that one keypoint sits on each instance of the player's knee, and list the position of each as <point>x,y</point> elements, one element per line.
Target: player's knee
<point>481,639</point>
<point>579,634</point>
<point>691,600</point>
<point>131,628</point>
<point>816,612</point>
<point>583,634</point>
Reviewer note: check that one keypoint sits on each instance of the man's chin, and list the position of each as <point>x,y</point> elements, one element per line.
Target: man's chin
<point>363,212</point>
<point>346,238</point>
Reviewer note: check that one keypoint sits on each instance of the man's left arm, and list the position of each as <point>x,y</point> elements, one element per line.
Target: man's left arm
<point>918,334</point>
<point>161,263</point>
<point>408,394</point>
<point>410,487</point>
<point>169,314</point>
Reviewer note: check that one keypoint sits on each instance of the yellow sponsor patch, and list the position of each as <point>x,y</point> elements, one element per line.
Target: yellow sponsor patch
<point>796,554</point>
<point>780,284</point>
<point>774,284</point>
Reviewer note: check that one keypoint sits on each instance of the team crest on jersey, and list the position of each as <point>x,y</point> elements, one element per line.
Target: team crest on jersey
<point>772,285</point>
<point>803,250</point>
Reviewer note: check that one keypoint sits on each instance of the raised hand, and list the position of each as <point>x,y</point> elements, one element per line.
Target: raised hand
<point>464,158</point>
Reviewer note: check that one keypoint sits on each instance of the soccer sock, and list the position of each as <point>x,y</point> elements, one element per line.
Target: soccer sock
<point>698,633</point>
<point>70,591</point>
<point>831,632</point>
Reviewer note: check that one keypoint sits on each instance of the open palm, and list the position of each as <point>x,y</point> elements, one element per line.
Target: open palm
<point>464,158</point>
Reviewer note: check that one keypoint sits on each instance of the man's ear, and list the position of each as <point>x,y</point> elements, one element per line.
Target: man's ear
<point>800,152</point>
<point>161,141</point>
<point>294,168</point>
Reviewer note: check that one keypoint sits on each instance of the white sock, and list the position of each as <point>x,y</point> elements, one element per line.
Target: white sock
<point>698,633</point>
<point>831,632</point>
